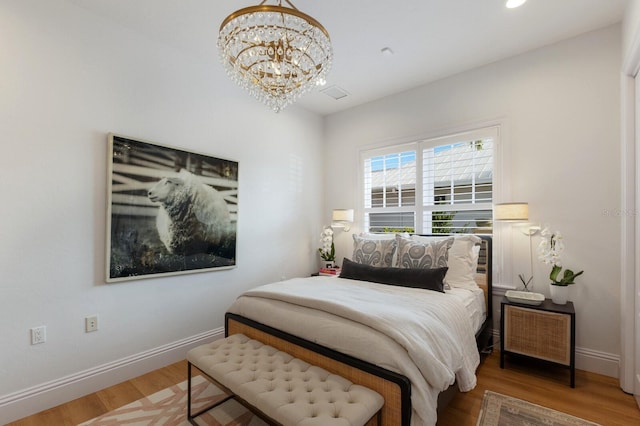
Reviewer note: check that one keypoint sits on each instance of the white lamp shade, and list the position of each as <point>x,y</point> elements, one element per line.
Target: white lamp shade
<point>513,212</point>
<point>342,215</point>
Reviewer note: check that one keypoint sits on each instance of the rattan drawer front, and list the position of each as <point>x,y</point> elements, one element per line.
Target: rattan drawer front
<point>540,334</point>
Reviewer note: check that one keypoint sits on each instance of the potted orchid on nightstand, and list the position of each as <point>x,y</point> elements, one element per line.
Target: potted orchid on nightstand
<point>328,249</point>
<point>549,252</point>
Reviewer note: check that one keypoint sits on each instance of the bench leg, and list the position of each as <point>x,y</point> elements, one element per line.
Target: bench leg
<point>229,395</point>
<point>189,392</point>
<point>191,416</point>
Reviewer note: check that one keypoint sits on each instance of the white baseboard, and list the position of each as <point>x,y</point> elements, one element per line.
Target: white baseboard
<point>586,359</point>
<point>29,401</point>
<point>46,395</point>
<point>598,362</point>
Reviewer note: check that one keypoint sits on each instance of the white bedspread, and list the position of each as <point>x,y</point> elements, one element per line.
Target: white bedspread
<point>425,335</point>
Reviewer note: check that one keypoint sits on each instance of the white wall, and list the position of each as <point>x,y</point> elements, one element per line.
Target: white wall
<point>560,112</point>
<point>630,26</point>
<point>68,78</point>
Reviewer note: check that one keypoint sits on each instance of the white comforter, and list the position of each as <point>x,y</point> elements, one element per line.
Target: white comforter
<point>425,335</point>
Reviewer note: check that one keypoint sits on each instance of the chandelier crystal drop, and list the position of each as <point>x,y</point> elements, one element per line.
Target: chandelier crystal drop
<point>276,53</point>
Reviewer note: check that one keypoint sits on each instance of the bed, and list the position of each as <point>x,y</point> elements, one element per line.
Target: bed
<point>350,327</point>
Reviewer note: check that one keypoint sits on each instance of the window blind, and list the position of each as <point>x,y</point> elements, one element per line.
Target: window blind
<point>440,185</point>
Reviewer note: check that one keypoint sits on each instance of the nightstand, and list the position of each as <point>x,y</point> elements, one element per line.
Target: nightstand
<point>546,331</point>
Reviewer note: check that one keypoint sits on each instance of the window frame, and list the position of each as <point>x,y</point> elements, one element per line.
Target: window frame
<point>418,145</point>
<point>377,152</point>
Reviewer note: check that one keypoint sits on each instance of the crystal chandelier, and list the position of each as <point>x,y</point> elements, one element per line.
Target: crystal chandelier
<point>277,53</point>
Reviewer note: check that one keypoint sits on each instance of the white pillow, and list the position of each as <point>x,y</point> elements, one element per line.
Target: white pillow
<point>463,259</point>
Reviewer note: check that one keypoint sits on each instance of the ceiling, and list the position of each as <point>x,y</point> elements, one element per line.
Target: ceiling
<point>431,39</point>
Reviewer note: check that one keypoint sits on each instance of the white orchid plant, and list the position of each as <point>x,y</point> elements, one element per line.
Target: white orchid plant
<point>328,250</point>
<point>550,252</point>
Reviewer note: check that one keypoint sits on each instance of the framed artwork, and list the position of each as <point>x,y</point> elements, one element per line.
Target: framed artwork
<point>169,211</point>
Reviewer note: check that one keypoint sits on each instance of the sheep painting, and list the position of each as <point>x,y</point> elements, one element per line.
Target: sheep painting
<point>193,217</point>
<point>170,211</point>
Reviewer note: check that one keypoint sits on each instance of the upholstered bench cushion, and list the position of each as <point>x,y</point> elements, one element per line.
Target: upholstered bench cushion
<point>284,388</point>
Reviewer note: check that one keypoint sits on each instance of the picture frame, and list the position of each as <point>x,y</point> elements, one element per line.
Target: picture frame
<point>169,211</point>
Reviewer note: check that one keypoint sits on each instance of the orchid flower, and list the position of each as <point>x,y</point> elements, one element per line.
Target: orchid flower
<point>327,251</point>
<point>550,253</point>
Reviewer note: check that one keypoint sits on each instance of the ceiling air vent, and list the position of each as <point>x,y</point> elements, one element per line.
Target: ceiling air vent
<point>335,92</point>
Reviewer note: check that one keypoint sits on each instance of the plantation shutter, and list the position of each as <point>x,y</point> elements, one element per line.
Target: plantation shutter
<point>441,185</point>
<point>458,183</point>
<point>390,189</point>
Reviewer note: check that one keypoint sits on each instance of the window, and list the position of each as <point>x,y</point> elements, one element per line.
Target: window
<point>441,185</point>
<point>390,190</point>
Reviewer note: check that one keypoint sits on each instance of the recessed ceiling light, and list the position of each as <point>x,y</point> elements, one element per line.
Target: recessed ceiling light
<point>515,3</point>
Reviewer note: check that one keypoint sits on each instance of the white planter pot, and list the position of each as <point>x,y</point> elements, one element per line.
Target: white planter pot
<point>559,294</point>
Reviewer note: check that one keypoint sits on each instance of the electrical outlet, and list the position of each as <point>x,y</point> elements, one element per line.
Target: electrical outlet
<point>38,335</point>
<point>91,323</point>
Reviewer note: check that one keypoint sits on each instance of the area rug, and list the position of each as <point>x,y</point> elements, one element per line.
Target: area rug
<point>501,410</point>
<point>168,407</point>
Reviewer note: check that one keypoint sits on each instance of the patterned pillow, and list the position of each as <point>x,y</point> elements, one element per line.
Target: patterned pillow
<point>423,254</point>
<point>462,260</point>
<point>386,236</point>
<point>373,252</point>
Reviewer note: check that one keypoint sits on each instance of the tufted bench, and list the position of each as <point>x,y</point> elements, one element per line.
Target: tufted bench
<point>282,390</point>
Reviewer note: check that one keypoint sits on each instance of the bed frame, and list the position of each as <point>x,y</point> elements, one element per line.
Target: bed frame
<point>394,387</point>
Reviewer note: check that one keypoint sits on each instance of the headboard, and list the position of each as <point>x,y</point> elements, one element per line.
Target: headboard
<point>483,273</point>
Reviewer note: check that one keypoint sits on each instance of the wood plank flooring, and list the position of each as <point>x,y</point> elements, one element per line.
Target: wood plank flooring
<point>596,398</point>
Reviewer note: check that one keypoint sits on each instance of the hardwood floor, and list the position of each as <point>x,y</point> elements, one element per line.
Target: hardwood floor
<point>596,398</point>
<point>93,405</point>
